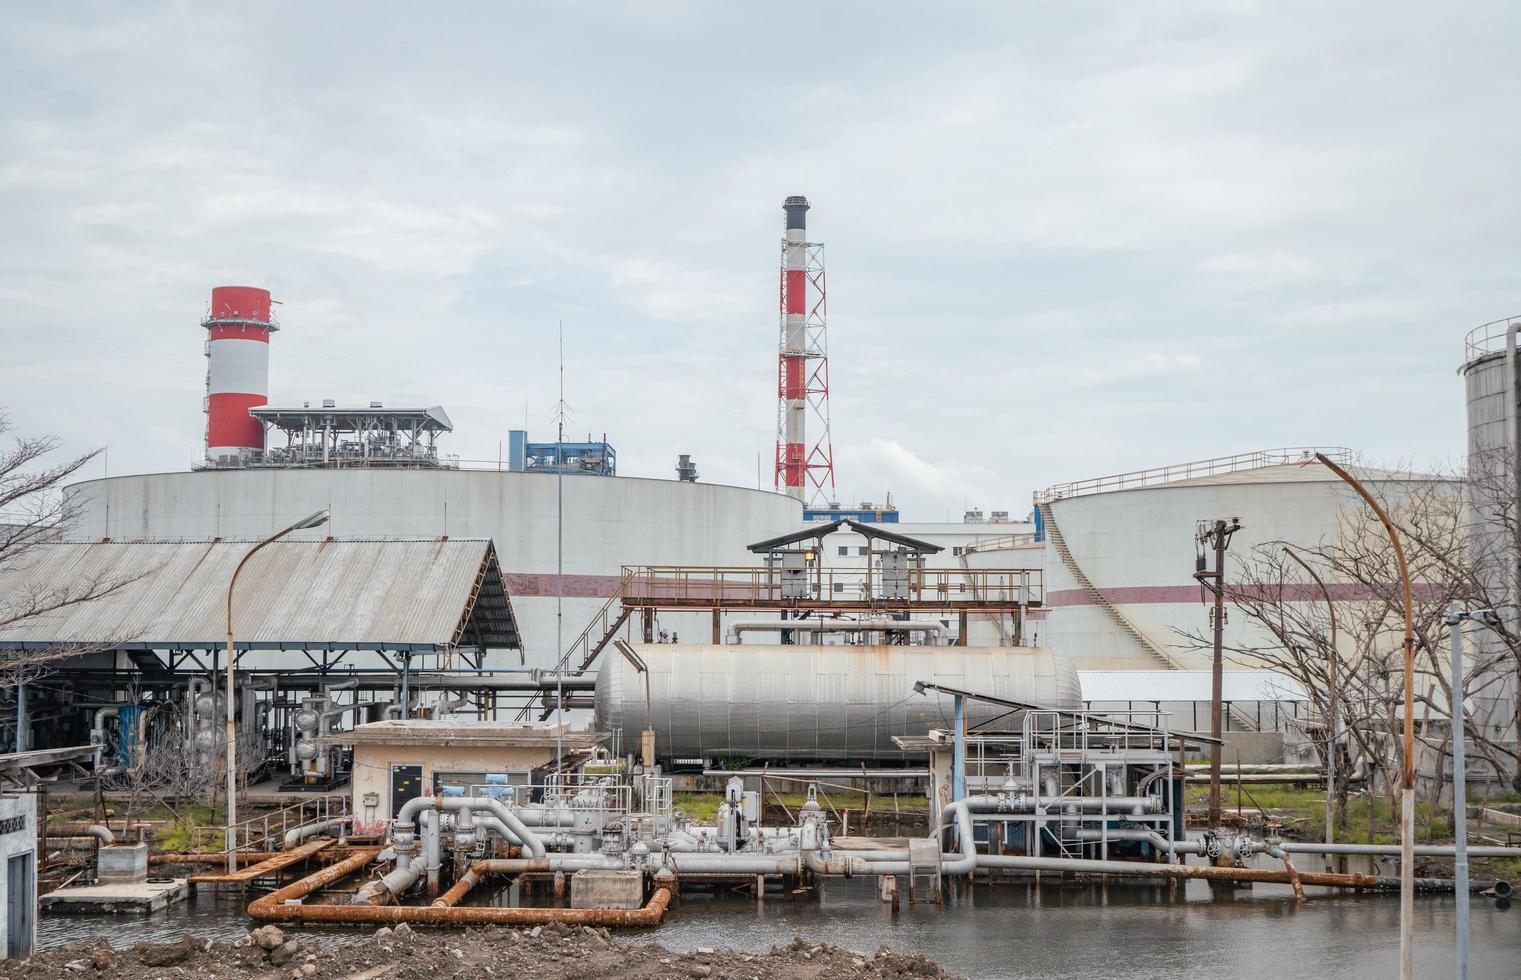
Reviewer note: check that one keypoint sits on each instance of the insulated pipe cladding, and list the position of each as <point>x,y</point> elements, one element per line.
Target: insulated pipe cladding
<point>817,702</point>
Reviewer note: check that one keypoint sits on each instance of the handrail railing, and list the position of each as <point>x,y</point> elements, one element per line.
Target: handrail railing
<point>1486,338</point>
<point>1158,475</point>
<point>1004,542</point>
<point>266,831</point>
<point>656,585</point>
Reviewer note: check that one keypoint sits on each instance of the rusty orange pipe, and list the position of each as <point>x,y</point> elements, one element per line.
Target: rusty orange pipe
<point>1142,869</point>
<point>480,869</point>
<point>265,910</point>
<point>218,858</point>
<point>458,890</point>
<point>273,907</point>
<point>312,882</point>
<point>1294,879</point>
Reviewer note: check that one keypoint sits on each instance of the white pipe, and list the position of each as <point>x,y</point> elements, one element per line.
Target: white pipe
<point>98,733</point>
<point>1117,805</point>
<point>395,882</point>
<point>393,711</point>
<point>432,847</point>
<point>1387,850</point>
<point>492,825</point>
<point>962,811</point>
<point>894,862</point>
<point>545,817</point>
<point>407,815</point>
<point>299,834</point>
<point>100,833</point>
<point>745,864</point>
<point>1145,836</point>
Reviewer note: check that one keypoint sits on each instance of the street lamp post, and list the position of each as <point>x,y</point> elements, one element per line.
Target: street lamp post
<point>1333,717</point>
<point>1455,621</point>
<point>314,520</point>
<point>1407,780</point>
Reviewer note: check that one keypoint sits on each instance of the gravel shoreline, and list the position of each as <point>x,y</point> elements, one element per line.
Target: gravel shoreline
<point>555,952</point>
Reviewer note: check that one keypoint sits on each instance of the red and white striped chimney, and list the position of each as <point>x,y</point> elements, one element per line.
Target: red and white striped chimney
<point>792,463</point>
<point>237,372</point>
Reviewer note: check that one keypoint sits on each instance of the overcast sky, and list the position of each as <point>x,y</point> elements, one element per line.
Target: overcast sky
<point>1063,239</point>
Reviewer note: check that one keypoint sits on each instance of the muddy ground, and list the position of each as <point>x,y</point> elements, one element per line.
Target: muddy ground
<point>546,953</point>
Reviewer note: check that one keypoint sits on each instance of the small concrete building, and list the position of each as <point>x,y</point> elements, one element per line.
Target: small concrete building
<point>18,886</point>
<point>395,761</point>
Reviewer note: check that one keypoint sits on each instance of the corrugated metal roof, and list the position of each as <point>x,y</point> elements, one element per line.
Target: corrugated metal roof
<point>312,595</point>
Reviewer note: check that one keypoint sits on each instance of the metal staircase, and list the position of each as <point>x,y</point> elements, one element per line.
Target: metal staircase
<point>980,594</point>
<point>1166,659</point>
<point>1054,535</point>
<point>592,641</point>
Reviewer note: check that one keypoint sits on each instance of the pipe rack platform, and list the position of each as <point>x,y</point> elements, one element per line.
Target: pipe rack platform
<point>266,867</point>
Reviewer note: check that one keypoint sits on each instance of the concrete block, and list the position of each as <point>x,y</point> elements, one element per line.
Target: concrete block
<point>606,890</point>
<point>123,863</point>
<point>139,898</point>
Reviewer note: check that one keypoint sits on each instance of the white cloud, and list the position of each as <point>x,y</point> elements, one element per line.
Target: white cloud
<point>1062,240</point>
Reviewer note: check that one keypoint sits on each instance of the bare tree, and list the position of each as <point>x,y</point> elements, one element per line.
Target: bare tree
<point>34,511</point>
<point>164,768</point>
<point>1453,549</point>
<point>1292,639</point>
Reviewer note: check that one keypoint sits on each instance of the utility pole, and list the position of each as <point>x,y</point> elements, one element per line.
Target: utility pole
<point>1455,620</point>
<point>1215,536</point>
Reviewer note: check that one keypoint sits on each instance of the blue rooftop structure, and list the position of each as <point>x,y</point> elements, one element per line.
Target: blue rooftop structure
<point>588,458</point>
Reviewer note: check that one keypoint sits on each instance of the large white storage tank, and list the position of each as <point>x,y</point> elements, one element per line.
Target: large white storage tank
<point>609,522</point>
<point>1131,538</point>
<point>1490,383</point>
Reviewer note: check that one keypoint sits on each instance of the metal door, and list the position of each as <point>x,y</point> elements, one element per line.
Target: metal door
<point>406,784</point>
<point>19,906</point>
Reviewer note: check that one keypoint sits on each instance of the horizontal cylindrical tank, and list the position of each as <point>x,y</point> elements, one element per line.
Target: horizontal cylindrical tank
<point>815,702</point>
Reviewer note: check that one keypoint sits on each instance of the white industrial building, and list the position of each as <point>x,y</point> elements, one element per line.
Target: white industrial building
<point>967,545</point>
<point>18,886</point>
<point>608,522</point>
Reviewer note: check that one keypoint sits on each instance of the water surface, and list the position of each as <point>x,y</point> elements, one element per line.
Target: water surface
<point>1018,929</point>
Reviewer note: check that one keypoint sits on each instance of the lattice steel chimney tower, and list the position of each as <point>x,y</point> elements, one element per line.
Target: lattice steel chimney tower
<point>802,468</point>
